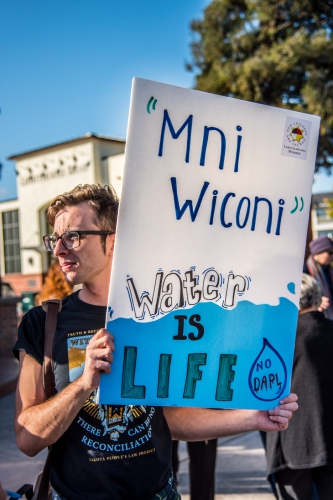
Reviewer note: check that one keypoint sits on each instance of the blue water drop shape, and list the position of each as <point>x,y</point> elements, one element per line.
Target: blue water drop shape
<point>268,374</point>
<point>291,287</point>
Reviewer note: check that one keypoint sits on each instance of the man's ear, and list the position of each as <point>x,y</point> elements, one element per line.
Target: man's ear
<point>112,244</point>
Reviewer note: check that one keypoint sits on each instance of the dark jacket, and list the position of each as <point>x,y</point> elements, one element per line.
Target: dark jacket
<point>308,441</point>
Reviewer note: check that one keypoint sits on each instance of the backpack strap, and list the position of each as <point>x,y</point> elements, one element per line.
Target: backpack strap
<point>52,308</point>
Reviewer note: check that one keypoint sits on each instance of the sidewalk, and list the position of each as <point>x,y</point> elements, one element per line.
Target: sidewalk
<point>240,468</point>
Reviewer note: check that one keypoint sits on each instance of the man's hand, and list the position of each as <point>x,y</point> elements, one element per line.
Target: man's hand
<point>199,424</point>
<point>99,356</point>
<point>278,418</point>
<point>40,423</point>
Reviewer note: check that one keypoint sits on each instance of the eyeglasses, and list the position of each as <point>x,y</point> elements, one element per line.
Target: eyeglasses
<point>70,239</point>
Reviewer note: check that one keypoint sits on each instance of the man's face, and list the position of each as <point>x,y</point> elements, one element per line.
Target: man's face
<point>324,258</point>
<point>87,263</point>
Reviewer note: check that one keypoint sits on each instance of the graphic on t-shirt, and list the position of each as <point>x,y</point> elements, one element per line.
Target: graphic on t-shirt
<point>76,344</point>
<point>113,420</point>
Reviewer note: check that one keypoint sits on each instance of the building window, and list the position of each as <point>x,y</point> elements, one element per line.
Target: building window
<point>11,239</point>
<point>328,233</point>
<point>322,214</point>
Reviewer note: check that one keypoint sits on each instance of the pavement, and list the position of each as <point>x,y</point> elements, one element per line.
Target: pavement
<point>240,467</point>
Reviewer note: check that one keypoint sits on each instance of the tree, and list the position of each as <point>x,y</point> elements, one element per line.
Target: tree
<point>273,52</point>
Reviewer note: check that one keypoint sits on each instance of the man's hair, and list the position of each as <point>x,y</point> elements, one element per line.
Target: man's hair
<point>102,199</point>
<point>310,293</point>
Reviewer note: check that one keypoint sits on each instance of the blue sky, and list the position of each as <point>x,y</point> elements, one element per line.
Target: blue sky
<point>67,68</point>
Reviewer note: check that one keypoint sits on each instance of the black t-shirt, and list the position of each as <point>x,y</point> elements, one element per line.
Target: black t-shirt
<point>108,452</point>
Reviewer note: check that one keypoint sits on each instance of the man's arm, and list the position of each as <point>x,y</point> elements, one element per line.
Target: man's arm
<point>39,423</point>
<point>198,424</point>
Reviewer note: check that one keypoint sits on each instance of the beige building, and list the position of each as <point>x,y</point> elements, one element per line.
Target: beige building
<point>41,175</point>
<point>321,221</point>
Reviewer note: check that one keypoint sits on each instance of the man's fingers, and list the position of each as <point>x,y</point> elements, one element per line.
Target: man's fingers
<point>280,413</point>
<point>279,418</point>
<point>102,339</point>
<point>103,332</point>
<point>99,354</point>
<point>102,366</point>
<point>105,354</point>
<point>100,360</point>
<point>290,407</point>
<point>283,413</point>
<point>289,399</point>
<point>282,422</point>
<point>289,403</point>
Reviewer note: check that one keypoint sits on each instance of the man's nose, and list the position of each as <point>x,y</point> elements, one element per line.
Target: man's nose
<point>59,248</point>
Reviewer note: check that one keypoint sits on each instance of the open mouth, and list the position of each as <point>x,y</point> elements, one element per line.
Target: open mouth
<point>67,266</point>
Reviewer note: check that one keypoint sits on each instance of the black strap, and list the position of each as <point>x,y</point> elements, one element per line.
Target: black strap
<point>52,308</point>
<point>27,490</point>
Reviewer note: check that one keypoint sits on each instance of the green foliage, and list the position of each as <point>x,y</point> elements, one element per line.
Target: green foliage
<point>273,52</point>
<point>329,207</point>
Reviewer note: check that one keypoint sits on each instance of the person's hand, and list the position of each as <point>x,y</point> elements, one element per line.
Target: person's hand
<point>325,302</point>
<point>99,356</point>
<point>278,418</point>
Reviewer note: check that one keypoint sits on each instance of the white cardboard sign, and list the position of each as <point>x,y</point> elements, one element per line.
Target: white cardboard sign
<point>209,250</point>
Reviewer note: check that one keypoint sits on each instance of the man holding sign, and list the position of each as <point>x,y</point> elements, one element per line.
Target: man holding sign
<point>103,451</point>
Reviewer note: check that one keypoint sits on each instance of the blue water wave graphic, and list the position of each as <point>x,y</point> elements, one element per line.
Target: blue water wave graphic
<point>239,333</point>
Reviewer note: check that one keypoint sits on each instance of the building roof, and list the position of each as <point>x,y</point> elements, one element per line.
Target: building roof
<point>71,142</point>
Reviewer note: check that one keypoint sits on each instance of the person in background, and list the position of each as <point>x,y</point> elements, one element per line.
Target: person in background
<point>55,286</point>
<point>202,455</point>
<point>301,458</point>
<point>318,265</point>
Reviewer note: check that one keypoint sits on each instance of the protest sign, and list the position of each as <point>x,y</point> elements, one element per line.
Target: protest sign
<point>209,250</point>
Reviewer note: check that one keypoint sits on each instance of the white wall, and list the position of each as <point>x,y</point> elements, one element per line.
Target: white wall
<point>116,169</point>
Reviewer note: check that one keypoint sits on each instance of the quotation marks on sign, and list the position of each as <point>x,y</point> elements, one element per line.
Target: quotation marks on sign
<point>152,102</point>
<point>296,205</point>
<point>110,311</point>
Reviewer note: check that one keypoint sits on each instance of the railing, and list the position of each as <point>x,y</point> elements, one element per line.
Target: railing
<point>324,218</point>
